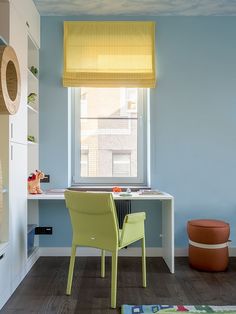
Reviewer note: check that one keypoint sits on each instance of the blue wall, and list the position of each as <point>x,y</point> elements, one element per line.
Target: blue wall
<point>193,123</point>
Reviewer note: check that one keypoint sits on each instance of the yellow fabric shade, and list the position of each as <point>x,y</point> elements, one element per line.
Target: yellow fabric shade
<point>109,54</point>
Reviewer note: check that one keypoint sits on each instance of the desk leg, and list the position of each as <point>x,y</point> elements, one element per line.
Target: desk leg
<point>168,233</point>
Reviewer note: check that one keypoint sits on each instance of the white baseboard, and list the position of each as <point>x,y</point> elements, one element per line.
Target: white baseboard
<point>232,251</point>
<point>130,251</point>
<point>181,252</point>
<point>32,259</point>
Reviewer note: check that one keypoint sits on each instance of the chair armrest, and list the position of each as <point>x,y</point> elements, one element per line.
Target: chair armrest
<point>133,228</point>
<point>135,217</point>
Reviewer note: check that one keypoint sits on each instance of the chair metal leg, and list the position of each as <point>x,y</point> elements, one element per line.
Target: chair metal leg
<point>103,264</point>
<point>71,269</point>
<point>114,279</point>
<point>144,277</point>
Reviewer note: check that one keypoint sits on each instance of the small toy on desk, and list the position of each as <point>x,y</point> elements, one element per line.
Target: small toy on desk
<point>116,189</point>
<point>34,182</point>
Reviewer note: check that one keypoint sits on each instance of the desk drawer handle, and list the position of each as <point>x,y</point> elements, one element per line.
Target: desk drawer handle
<point>1,256</point>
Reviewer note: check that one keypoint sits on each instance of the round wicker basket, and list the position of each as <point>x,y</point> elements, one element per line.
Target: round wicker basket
<point>10,84</point>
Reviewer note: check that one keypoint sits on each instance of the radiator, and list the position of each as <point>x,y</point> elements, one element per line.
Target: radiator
<point>123,208</point>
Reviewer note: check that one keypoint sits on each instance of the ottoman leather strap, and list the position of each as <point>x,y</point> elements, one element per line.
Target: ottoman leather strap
<point>208,246</point>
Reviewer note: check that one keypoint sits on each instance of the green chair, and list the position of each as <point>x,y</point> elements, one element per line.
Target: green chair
<point>94,223</point>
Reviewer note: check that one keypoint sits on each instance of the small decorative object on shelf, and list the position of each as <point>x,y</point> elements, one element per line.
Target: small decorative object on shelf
<point>34,70</point>
<point>34,182</point>
<point>31,98</point>
<point>31,138</point>
<point>116,189</point>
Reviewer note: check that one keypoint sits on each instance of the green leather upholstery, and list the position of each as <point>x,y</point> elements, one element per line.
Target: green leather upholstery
<point>94,223</point>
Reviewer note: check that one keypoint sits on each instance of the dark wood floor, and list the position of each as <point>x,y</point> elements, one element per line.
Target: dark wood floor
<point>43,290</point>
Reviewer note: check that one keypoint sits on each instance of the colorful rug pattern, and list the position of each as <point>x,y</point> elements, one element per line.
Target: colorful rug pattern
<point>169,309</point>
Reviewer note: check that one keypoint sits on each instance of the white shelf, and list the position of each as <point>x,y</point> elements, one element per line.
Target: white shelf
<point>33,147</point>
<point>31,76</point>
<point>32,143</point>
<point>32,109</point>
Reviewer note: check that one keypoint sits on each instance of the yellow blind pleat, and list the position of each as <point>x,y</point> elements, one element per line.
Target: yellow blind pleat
<point>109,54</point>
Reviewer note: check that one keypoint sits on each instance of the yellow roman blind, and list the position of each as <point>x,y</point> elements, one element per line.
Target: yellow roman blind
<point>109,54</point>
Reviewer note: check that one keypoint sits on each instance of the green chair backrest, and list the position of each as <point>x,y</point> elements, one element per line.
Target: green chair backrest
<point>94,219</point>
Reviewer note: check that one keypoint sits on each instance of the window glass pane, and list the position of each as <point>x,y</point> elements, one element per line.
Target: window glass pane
<point>121,164</point>
<point>110,135</point>
<point>132,99</point>
<point>102,138</point>
<point>108,102</point>
<point>84,164</point>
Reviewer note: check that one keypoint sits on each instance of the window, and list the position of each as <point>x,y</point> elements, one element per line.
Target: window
<point>110,135</point>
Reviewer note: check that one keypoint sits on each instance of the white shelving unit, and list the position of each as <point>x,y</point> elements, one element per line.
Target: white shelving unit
<point>33,132</point>
<point>4,210</point>
<point>18,21</point>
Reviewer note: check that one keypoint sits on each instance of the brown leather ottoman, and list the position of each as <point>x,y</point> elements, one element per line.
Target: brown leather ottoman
<point>208,244</point>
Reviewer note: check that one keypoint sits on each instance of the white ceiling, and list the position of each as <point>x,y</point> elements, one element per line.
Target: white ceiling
<point>137,7</point>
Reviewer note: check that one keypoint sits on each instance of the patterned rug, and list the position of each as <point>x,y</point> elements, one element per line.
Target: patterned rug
<point>169,309</point>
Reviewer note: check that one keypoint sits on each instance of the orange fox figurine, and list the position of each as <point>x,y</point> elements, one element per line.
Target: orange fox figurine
<point>34,182</point>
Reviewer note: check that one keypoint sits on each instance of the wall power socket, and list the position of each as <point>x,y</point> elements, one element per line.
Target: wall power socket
<point>43,230</point>
<point>46,179</point>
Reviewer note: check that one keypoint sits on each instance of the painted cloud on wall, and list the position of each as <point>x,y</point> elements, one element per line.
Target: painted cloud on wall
<point>137,7</point>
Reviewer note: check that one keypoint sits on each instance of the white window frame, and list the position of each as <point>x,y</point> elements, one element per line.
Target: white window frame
<point>142,153</point>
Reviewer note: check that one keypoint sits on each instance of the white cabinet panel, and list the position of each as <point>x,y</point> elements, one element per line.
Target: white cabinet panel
<point>18,40</point>
<point>5,276</point>
<point>18,211</point>
<point>31,17</point>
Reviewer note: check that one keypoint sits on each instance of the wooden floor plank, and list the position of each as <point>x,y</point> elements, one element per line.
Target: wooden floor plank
<point>43,290</point>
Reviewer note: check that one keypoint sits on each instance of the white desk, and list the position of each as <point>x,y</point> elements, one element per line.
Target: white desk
<point>167,201</point>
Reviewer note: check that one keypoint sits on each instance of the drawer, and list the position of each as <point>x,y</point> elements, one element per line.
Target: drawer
<point>5,276</point>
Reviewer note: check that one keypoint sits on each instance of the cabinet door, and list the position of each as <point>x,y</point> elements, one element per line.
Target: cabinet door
<point>4,21</point>
<point>18,40</point>
<point>31,17</point>
<point>18,211</point>
<point>5,276</point>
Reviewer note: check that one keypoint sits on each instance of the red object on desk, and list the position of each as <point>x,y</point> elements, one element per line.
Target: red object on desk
<point>116,189</point>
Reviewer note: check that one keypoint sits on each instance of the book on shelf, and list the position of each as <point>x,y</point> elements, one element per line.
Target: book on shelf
<point>55,191</point>
<point>150,192</point>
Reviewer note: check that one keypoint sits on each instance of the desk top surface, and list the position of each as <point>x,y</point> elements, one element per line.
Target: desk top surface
<point>133,196</point>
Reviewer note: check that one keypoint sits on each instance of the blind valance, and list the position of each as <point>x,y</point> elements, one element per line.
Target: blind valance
<point>109,54</point>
